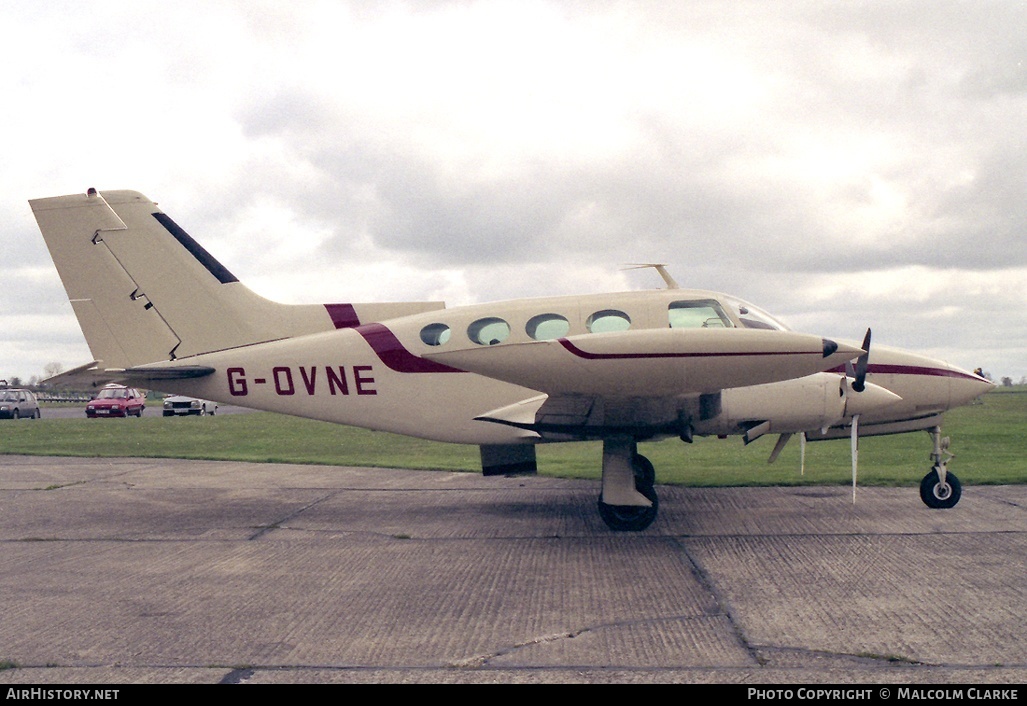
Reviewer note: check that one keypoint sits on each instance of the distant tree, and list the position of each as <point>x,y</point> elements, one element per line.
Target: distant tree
<point>15,381</point>
<point>1007,382</point>
<point>51,369</point>
<point>33,381</point>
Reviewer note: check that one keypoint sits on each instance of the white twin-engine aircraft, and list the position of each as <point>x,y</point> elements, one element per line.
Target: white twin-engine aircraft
<point>158,311</point>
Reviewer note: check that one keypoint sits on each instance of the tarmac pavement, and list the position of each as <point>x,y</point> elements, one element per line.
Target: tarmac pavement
<point>172,571</point>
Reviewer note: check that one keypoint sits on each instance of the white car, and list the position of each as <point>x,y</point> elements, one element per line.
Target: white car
<point>178,405</point>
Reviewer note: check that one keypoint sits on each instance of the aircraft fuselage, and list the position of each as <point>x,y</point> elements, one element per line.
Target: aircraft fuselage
<point>434,375</point>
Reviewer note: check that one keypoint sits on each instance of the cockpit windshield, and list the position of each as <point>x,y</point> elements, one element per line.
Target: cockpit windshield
<point>754,317</point>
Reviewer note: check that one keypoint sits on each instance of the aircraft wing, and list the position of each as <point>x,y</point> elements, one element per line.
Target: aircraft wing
<point>652,362</point>
<point>574,417</point>
<point>928,421</point>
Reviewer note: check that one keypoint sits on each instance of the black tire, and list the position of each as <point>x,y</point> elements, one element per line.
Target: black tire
<point>169,414</point>
<point>37,414</point>
<point>630,518</point>
<point>937,496</point>
<point>15,415</point>
<point>645,473</point>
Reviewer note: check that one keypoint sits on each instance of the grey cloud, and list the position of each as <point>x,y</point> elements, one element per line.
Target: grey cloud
<point>934,92</point>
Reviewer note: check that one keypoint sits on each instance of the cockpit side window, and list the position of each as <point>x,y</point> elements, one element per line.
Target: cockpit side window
<point>704,313</point>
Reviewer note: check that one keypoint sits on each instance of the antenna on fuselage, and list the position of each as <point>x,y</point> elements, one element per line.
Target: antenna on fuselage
<point>659,267</point>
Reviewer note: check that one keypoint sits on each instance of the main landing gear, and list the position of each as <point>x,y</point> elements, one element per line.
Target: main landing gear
<point>940,489</point>
<point>628,501</point>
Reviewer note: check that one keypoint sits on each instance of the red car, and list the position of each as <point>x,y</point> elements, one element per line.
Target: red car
<point>117,401</point>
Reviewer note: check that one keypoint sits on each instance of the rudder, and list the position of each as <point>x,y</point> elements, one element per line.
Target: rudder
<point>144,291</point>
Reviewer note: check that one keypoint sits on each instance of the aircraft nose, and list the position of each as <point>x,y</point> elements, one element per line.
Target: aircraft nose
<point>965,387</point>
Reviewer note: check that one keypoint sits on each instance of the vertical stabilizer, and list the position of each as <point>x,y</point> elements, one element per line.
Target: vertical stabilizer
<point>144,291</point>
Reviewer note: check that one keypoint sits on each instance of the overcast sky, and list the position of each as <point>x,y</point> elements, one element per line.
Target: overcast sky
<point>840,164</point>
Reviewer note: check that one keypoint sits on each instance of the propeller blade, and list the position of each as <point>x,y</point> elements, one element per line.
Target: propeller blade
<point>862,363</point>
<point>855,454</point>
<point>802,453</point>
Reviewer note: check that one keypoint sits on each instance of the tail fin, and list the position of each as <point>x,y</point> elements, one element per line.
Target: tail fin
<point>144,291</point>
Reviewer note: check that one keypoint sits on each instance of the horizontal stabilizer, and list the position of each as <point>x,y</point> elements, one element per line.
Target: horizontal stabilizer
<point>157,372</point>
<point>94,375</point>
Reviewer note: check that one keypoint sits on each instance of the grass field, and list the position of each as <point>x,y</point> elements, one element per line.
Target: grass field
<point>988,439</point>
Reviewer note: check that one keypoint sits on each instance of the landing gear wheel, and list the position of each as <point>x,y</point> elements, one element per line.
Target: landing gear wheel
<point>631,518</point>
<point>645,473</point>
<point>938,495</point>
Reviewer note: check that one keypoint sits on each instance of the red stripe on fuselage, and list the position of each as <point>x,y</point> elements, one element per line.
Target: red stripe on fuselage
<point>623,356</point>
<point>343,315</point>
<point>885,369</point>
<point>391,352</point>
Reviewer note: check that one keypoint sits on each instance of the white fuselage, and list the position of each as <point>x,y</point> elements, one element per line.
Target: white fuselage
<point>394,376</point>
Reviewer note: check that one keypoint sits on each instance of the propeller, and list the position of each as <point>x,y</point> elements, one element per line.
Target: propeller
<point>854,406</point>
<point>855,454</point>
<point>858,385</point>
<point>862,363</point>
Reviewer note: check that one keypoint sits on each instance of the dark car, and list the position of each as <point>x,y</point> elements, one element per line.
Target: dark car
<point>17,403</point>
<point>117,401</point>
